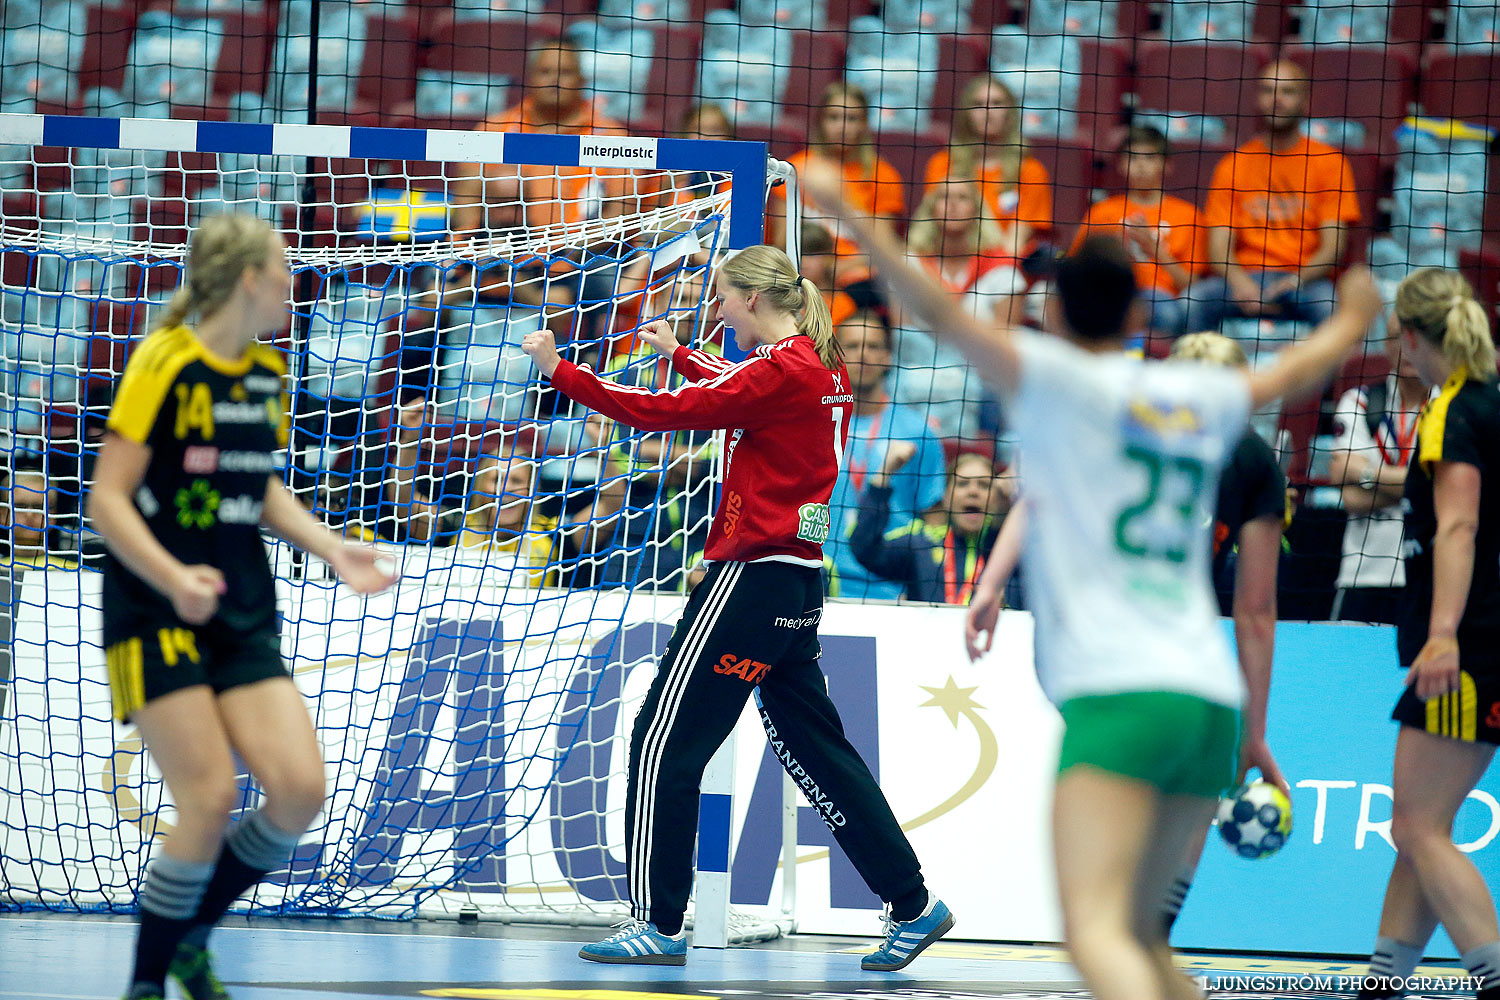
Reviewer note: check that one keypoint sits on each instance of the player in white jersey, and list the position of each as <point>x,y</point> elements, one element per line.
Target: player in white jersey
<point>1120,461</point>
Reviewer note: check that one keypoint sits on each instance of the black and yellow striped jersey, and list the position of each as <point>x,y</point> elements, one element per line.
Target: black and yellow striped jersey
<point>214,427</point>
<point>1460,424</point>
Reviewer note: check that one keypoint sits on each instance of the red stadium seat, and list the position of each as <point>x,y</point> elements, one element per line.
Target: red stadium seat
<point>1482,268</point>
<point>1362,369</point>
<point>1272,20</point>
<point>1462,86</point>
<point>1074,168</point>
<point>497,48</point>
<point>841,12</point>
<point>245,55</point>
<point>1208,78</point>
<point>960,59</point>
<point>388,73</point>
<point>109,33</point>
<point>673,82</point>
<point>781,140</point>
<point>1370,84</point>
<point>909,152</point>
<point>817,61</point>
<point>1414,20</point>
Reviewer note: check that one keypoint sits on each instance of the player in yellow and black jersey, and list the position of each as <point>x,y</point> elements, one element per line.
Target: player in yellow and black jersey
<point>1448,632</point>
<point>184,483</point>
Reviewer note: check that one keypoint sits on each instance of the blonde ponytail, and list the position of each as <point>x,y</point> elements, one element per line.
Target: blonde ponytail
<point>220,251</point>
<point>1439,305</point>
<point>768,271</point>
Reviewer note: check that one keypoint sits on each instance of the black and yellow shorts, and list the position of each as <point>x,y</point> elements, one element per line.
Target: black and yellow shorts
<point>1470,714</point>
<point>145,663</point>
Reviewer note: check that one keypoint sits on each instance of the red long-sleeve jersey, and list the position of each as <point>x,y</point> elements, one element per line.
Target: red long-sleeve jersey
<point>787,418</point>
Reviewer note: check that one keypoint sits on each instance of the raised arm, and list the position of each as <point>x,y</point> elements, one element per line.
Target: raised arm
<point>989,593</point>
<point>989,348</point>
<point>1255,637</point>
<point>740,397</point>
<point>1304,368</point>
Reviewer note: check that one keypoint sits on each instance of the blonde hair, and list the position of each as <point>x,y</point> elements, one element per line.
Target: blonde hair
<point>220,251</point>
<point>1214,348</point>
<point>839,92</point>
<point>769,271</point>
<point>1439,305</point>
<point>924,238</point>
<point>967,147</point>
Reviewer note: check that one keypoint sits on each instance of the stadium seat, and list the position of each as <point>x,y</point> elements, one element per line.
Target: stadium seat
<point>1074,167</point>
<point>41,60</point>
<point>1099,19</point>
<point>909,152</point>
<point>1462,85</point>
<point>500,10</point>
<point>388,73</point>
<point>782,82</point>
<point>493,48</point>
<point>1473,24</point>
<point>171,61</point>
<point>1066,85</point>
<point>782,140</point>
<point>896,70</point>
<point>244,55</point>
<point>1373,85</point>
<point>673,12</point>
<point>616,64</point>
<point>1482,267</point>
<point>937,16</point>
<point>1213,78</point>
<point>960,59</point>
<point>109,31</point>
<point>801,15</point>
<point>1341,22</point>
<point>459,100</point>
<point>670,86</point>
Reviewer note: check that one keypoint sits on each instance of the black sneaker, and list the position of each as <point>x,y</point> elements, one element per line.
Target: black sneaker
<point>193,969</point>
<point>146,991</point>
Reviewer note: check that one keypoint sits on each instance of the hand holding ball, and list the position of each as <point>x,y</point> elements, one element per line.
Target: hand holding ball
<point>1255,819</point>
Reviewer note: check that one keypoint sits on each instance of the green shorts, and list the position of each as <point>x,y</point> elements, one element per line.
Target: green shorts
<point>1180,744</point>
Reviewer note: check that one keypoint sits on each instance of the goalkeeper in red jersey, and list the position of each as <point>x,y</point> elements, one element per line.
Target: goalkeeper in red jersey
<point>752,623</point>
<point>186,479</point>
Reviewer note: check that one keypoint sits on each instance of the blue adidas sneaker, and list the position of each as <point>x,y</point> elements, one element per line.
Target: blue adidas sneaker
<point>906,939</point>
<point>638,943</point>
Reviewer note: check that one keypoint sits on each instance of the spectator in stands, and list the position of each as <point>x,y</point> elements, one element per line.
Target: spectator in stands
<point>938,564</point>
<point>701,121</point>
<point>1163,232</point>
<point>420,497</point>
<point>1375,431</point>
<point>501,516</point>
<point>841,136</point>
<point>955,238</point>
<point>27,521</point>
<point>846,292</point>
<point>875,423</point>
<point>1279,211</point>
<point>987,148</point>
<point>554,102</point>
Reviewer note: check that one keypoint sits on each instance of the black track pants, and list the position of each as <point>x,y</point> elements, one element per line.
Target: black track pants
<point>748,625</point>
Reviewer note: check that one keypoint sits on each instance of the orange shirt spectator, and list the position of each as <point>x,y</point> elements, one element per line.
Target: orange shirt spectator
<point>877,190</point>
<point>1275,203</point>
<point>1029,200</point>
<point>987,148</point>
<point>554,103</point>
<point>1176,223</point>
<point>841,136</point>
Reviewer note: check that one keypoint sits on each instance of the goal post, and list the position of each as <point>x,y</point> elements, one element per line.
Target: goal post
<point>475,719</point>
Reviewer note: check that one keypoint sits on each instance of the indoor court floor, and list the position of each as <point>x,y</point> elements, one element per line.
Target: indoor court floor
<point>73,957</point>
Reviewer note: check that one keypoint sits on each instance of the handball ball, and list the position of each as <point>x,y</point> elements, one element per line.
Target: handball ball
<point>1255,819</point>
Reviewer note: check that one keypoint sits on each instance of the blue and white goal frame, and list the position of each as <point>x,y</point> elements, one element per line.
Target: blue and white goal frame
<point>745,162</point>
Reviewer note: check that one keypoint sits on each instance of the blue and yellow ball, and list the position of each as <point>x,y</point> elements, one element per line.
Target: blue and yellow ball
<point>1255,819</point>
